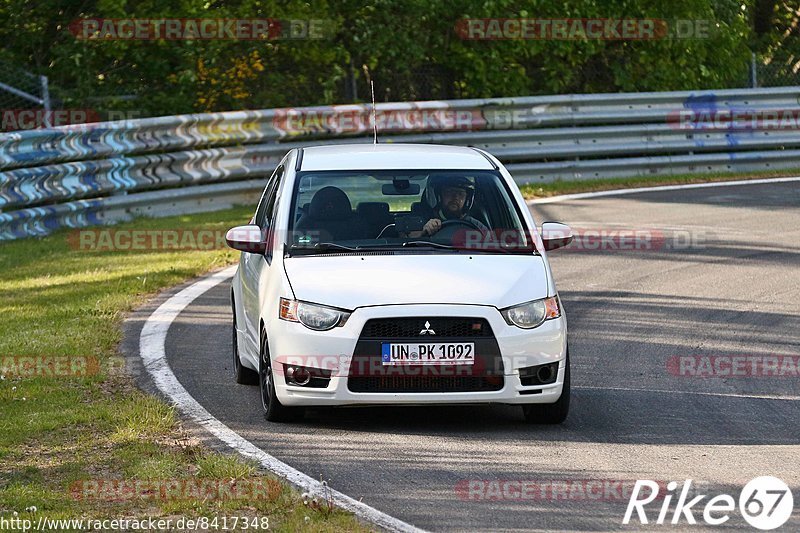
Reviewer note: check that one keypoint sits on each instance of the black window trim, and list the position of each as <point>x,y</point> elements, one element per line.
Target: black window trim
<point>269,196</point>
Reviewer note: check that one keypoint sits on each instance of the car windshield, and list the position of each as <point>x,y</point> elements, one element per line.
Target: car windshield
<point>438,211</point>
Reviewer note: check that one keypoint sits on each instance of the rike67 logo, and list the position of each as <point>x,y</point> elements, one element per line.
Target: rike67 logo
<point>765,503</point>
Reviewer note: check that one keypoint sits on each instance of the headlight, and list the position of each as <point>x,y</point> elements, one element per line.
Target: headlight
<point>312,316</point>
<point>532,314</point>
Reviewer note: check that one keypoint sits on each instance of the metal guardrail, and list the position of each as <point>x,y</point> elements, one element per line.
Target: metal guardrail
<point>101,173</point>
<point>39,221</point>
<point>38,147</point>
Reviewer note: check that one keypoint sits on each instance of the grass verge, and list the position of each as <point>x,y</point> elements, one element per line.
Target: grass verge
<point>82,441</point>
<point>543,190</point>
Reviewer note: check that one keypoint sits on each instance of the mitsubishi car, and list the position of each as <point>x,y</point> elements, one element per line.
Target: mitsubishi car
<point>394,274</point>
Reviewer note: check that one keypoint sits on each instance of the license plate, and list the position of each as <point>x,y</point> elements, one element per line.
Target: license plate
<point>447,353</point>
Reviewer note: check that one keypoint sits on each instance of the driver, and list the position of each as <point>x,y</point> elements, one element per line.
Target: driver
<point>455,195</point>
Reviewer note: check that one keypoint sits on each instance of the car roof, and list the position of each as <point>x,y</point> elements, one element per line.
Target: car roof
<point>393,157</point>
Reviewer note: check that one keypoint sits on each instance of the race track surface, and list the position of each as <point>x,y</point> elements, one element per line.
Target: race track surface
<point>719,277</point>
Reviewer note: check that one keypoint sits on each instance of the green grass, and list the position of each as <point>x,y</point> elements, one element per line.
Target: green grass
<point>57,431</point>
<point>542,190</point>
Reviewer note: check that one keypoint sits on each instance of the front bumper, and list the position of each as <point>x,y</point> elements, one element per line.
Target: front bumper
<point>333,350</point>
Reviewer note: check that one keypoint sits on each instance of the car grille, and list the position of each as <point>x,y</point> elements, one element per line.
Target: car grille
<point>367,374</point>
<point>410,328</point>
<point>426,384</point>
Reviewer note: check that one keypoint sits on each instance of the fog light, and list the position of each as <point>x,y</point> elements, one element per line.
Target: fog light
<point>307,376</point>
<point>301,376</point>
<point>538,375</point>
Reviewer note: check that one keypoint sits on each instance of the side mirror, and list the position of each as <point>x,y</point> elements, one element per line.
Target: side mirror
<point>247,239</point>
<point>555,235</point>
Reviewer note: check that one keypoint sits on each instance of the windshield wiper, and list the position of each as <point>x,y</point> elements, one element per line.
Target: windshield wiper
<point>487,250</point>
<point>322,247</point>
<point>429,243</point>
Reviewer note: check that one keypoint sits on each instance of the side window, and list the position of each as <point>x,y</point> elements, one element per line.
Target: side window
<point>262,204</point>
<point>266,207</point>
<point>269,214</point>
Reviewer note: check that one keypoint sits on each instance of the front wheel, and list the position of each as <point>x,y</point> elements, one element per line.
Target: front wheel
<point>551,413</point>
<point>274,410</point>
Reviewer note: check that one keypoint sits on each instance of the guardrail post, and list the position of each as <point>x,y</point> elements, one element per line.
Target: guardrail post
<point>45,100</point>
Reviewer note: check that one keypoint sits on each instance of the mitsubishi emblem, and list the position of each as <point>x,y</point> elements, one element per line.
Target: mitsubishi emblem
<point>427,330</point>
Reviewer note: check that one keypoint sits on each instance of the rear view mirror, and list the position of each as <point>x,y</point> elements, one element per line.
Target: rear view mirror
<point>400,188</point>
<point>248,239</point>
<point>555,235</point>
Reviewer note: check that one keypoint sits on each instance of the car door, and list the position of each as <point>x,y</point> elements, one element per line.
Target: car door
<point>253,264</point>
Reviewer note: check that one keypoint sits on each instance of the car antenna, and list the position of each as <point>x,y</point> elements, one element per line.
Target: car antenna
<point>374,116</point>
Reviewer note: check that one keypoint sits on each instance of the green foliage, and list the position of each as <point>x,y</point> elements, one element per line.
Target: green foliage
<point>410,47</point>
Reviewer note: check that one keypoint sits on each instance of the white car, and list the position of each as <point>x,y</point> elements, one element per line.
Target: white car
<point>398,274</point>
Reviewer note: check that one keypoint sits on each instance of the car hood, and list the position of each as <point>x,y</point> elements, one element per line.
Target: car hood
<point>351,281</point>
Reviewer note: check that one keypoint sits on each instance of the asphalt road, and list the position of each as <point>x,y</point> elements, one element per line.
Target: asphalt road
<point>719,276</point>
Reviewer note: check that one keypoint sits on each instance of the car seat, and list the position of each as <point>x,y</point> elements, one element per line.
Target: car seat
<point>331,215</point>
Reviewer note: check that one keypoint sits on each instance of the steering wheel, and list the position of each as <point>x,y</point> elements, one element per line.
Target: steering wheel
<point>450,227</point>
<point>462,221</point>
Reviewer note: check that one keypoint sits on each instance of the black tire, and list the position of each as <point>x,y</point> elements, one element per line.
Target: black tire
<point>242,374</point>
<point>551,413</point>
<point>274,410</point>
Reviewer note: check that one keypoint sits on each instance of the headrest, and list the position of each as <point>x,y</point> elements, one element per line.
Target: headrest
<point>330,203</point>
<point>373,209</point>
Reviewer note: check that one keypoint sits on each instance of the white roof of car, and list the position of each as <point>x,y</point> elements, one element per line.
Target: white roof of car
<point>393,157</point>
